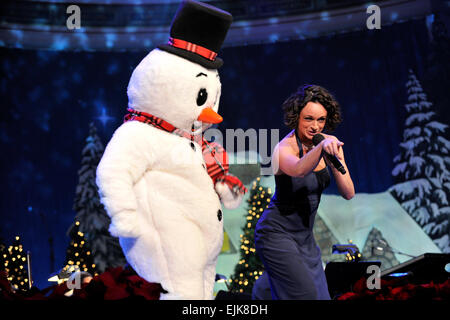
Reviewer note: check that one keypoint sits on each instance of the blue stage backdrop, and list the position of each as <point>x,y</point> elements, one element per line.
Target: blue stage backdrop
<point>49,98</point>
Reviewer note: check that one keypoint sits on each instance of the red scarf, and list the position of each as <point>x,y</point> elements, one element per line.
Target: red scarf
<point>214,154</point>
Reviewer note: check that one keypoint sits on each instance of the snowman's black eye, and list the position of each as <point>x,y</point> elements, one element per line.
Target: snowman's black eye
<point>201,97</point>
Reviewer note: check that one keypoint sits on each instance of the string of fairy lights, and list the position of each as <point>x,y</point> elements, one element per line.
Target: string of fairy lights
<point>15,265</point>
<point>250,267</point>
<point>78,254</point>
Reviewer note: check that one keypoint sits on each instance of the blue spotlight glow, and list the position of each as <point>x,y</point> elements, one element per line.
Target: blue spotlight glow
<point>59,43</point>
<point>274,37</point>
<point>324,16</point>
<point>273,20</point>
<point>110,38</point>
<point>394,16</point>
<point>17,33</point>
<point>399,274</point>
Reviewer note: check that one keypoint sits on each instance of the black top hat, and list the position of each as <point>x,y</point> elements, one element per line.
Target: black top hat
<point>197,33</point>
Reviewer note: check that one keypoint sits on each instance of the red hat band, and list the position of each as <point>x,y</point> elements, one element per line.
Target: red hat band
<point>188,46</point>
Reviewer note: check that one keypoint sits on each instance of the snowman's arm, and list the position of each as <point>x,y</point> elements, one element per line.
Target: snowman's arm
<point>230,190</point>
<point>127,156</point>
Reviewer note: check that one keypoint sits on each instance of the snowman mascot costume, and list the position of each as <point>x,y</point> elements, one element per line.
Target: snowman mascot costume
<point>161,183</point>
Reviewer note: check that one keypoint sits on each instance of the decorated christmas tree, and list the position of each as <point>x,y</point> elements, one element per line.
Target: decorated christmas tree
<point>250,267</point>
<point>91,219</point>
<point>422,169</point>
<point>15,262</point>
<point>78,253</point>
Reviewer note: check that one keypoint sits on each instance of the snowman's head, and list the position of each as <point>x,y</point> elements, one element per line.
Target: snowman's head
<point>173,89</point>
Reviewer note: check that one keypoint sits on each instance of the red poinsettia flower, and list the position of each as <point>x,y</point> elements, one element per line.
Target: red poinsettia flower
<point>113,284</point>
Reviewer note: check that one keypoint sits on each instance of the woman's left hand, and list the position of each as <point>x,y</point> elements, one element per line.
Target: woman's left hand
<point>333,146</point>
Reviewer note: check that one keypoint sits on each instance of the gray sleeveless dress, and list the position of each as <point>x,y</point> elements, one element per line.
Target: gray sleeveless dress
<point>284,239</point>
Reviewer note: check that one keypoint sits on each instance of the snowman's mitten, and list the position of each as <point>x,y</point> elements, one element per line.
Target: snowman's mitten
<point>125,225</point>
<point>230,190</point>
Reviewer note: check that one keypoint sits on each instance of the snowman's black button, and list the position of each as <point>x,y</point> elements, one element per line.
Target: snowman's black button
<point>192,146</point>
<point>219,215</point>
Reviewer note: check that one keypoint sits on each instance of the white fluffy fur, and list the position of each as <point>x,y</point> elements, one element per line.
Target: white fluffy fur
<point>230,199</point>
<point>161,201</point>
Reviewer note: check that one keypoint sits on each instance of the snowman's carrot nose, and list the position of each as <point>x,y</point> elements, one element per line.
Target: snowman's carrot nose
<point>210,116</point>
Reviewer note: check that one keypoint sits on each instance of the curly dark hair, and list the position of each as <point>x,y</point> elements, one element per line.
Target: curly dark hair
<point>306,93</point>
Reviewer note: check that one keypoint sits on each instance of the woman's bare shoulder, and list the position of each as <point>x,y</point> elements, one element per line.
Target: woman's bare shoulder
<point>287,146</point>
<point>288,143</point>
<point>288,140</point>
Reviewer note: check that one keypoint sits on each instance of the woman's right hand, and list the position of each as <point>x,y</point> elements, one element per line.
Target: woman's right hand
<point>332,145</point>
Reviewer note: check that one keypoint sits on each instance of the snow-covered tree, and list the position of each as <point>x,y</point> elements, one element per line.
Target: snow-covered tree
<point>91,215</point>
<point>422,169</point>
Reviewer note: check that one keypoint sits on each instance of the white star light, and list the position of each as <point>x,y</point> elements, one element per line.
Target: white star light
<point>104,118</point>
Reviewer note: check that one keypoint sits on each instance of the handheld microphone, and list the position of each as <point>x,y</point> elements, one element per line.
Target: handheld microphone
<point>336,163</point>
